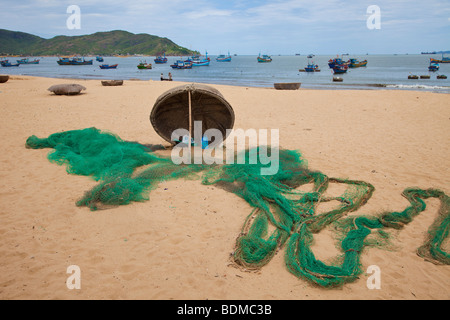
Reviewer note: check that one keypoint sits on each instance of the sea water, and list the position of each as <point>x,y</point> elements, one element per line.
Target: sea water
<point>382,71</point>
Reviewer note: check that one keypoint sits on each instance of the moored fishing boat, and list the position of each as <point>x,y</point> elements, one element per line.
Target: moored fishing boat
<point>74,62</point>
<point>340,69</point>
<point>107,66</point>
<point>144,65</point>
<point>197,61</point>
<point>443,60</point>
<point>180,64</point>
<point>354,63</point>
<point>224,58</point>
<point>264,58</point>
<point>27,61</point>
<point>335,62</point>
<point>312,68</point>
<point>161,59</point>
<point>433,66</point>
<point>99,59</point>
<point>9,64</point>
<point>63,61</point>
<point>80,62</point>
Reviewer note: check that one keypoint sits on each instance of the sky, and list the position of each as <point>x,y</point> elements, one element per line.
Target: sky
<point>250,27</point>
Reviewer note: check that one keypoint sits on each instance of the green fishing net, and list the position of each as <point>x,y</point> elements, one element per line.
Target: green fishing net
<point>282,214</point>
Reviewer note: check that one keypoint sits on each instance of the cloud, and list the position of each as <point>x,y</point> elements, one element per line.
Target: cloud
<point>197,14</point>
<point>247,26</point>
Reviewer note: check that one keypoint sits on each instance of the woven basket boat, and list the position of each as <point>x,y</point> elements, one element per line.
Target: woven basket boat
<point>4,78</point>
<point>66,89</point>
<point>111,83</point>
<point>195,102</point>
<point>287,86</point>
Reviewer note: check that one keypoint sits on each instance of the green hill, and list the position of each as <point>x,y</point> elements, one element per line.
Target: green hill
<point>100,43</point>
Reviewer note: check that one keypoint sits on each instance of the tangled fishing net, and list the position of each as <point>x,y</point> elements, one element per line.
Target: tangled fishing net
<point>282,215</point>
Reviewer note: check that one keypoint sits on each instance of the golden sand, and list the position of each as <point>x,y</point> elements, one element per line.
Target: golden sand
<point>177,244</point>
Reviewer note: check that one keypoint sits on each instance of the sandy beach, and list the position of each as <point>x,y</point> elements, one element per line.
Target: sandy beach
<point>177,245</point>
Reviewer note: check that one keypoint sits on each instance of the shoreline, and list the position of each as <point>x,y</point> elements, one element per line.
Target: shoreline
<point>326,86</point>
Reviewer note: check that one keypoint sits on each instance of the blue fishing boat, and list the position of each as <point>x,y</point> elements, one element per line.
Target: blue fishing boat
<point>99,59</point>
<point>63,61</point>
<point>107,66</point>
<point>180,64</point>
<point>433,66</point>
<point>6,63</point>
<point>27,61</point>
<point>197,61</point>
<point>144,65</point>
<point>340,69</point>
<point>354,63</point>
<point>81,62</point>
<point>264,58</point>
<point>336,62</point>
<point>161,59</point>
<point>74,62</point>
<point>312,68</point>
<point>443,60</point>
<point>224,58</point>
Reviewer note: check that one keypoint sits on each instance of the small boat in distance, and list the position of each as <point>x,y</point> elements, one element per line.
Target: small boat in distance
<point>80,62</point>
<point>197,61</point>
<point>224,58</point>
<point>340,69</point>
<point>144,65</point>
<point>354,63</point>
<point>27,61</point>
<point>264,58</point>
<point>310,56</point>
<point>443,60</point>
<point>180,64</point>
<point>413,77</point>
<point>6,63</point>
<point>107,66</point>
<point>311,68</point>
<point>161,59</point>
<point>336,62</point>
<point>74,62</point>
<point>99,59</point>
<point>433,66</point>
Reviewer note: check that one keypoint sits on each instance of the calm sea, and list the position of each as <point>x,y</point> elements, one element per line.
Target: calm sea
<point>382,72</point>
